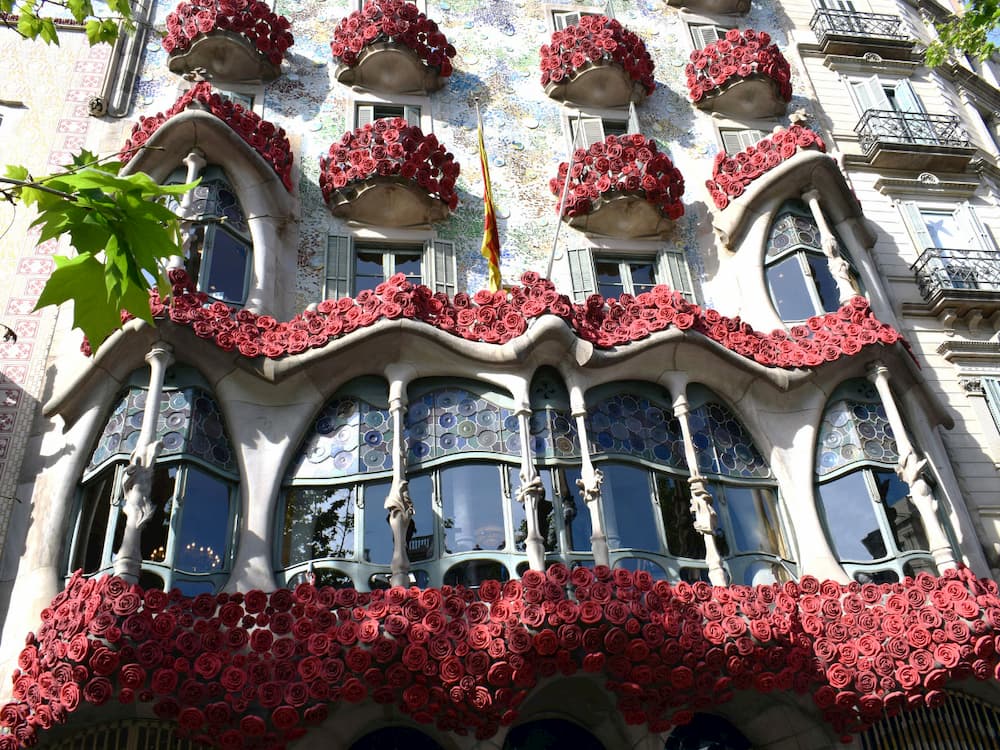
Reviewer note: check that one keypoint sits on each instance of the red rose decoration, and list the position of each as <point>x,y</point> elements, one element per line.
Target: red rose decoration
<point>739,55</point>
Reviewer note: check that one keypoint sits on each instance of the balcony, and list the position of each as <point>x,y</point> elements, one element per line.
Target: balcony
<point>960,283</point>
<point>914,140</point>
<point>842,32</point>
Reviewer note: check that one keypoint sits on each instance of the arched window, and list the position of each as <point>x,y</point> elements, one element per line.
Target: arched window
<point>188,542</point>
<point>333,519</point>
<point>961,721</point>
<point>875,529</point>
<point>396,738</point>
<point>745,493</point>
<point>462,440</point>
<point>798,272</point>
<point>221,251</point>
<point>551,734</point>
<point>706,732</point>
<point>130,733</point>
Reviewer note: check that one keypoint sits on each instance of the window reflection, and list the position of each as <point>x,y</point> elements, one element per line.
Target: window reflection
<point>201,543</point>
<point>319,523</point>
<point>471,508</point>
<point>628,507</point>
<point>850,518</point>
<point>754,525</point>
<point>378,534</point>
<point>678,524</point>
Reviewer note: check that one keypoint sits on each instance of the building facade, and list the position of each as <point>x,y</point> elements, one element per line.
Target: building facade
<point>716,468</point>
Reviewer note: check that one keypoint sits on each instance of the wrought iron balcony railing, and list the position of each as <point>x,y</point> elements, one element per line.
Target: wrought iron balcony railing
<point>915,128</point>
<point>944,270</point>
<point>874,26</point>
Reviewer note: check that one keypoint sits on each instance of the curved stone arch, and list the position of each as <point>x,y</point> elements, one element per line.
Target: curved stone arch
<point>268,205</point>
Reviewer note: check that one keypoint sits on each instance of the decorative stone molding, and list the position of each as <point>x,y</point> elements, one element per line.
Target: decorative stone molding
<point>390,68</point>
<point>224,56</point>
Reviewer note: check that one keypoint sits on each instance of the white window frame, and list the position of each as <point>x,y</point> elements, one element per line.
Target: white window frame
<point>593,122</point>
<point>964,213</point>
<point>555,14</point>
<point>739,138</point>
<point>242,91</point>
<point>416,109</point>
<point>703,33</point>
<point>438,268</point>
<point>671,266</point>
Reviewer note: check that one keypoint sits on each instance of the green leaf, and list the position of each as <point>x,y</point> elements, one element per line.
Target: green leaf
<point>28,23</point>
<point>80,9</point>
<point>81,280</point>
<point>48,32</point>
<point>93,30</point>
<point>6,6</point>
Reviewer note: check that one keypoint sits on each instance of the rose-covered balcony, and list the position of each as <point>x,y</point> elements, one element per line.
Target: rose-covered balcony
<point>389,174</point>
<point>260,135</point>
<point>597,63</point>
<point>227,40</point>
<point>260,670</point>
<point>732,174</point>
<point>621,187</point>
<point>391,47</point>
<point>743,75</point>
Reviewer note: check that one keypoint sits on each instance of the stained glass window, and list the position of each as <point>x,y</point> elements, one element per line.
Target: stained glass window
<point>455,420</point>
<point>350,436</point>
<point>635,426</point>
<point>855,430</point>
<point>723,444</point>
<point>552,426</point>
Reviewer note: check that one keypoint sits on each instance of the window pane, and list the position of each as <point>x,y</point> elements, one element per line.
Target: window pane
<point>643,276</point>
<point>904,518</point>
<point>93,529</point>
<point>408,265</point>
<point>576,514</point>
<point>609,278</point>
<point>675,509</point>
<point>826,285</point>
<point>204,532</point>
<point>155,533</point>
<point>473,515</point>
<point>421,544</point>
<point>378,533</point>
<point>225,277</point>
<point>789,289</point>
<point>368,272</point>
<point>546,512</point>
<point>753,516</point>
<point>850,518</point>
<point>474,572</point>
<point>614,127</point>
<point>628,508</point>
<point>319,522</point>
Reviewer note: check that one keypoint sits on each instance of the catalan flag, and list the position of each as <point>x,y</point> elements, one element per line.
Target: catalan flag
<point>491,238</point>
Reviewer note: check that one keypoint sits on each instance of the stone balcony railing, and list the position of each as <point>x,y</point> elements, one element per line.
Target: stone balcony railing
<point>914,140</point>
<point>841,32</point>
<point>960,285</point>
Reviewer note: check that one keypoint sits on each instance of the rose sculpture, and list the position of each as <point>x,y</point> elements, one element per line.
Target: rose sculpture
<point>265,30</point>
<point>739,56</point>
<point>262,136</point>
<point>629,163</point>
<point>597,41</point>
<point>393,22</point>
<point>389,148</point>
<point>732,174</point>
<point>499,317</point>
<point>255,670</point>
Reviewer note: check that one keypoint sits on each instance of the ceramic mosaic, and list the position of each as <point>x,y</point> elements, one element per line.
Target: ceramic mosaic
<point>350,436</point>
<point>636,427</point>
<point>723,445</point>
<point>453,420</point>
<point>189,423</point>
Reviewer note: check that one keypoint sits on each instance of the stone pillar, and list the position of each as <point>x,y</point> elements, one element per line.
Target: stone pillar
<point>398,505</point>
<point>705,519</point>
<point>590,481</point>
<point>195,163</point>
<point>910,469</point>
<point>838,265</point>
<point>137,485</point>
<point>531,492</point>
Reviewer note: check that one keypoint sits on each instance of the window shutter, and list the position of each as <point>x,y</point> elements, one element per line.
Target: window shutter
<point>339,264</point>
<point>563,19</point>
<point>870,94</point>
<point>915,223</point>
<point>672,270</point>
<point>581,272</point>
<point>977,231</point>
<point>906,99</point>
<point>734,141</point>
<point>364,115</point>
<point>593,132</point>
<point>411,113</point>
<point>705,35</point>
<point>633,119</point>
<point>991,387</point>
<point>439,265</point>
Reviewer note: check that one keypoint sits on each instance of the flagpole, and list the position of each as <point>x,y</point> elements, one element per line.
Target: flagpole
<point>565,190</point>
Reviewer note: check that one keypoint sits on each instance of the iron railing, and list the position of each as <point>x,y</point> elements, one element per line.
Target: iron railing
<point>943,270</point>
<point>873,26</point>
<point>915,128</point>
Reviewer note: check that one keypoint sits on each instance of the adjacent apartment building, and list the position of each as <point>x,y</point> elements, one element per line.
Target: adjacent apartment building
<point>717,466</point>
